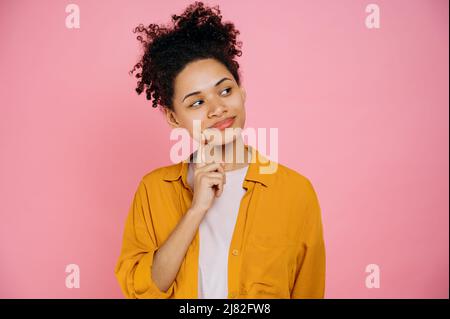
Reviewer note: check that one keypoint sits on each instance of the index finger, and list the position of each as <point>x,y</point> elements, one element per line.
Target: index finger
<point>201,158</point>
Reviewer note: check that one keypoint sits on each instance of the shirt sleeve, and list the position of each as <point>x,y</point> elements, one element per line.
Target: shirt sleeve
<point>133,269</point>
<point>310,277</point>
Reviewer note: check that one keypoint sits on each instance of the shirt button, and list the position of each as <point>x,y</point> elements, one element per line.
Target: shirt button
<point>235,252</point>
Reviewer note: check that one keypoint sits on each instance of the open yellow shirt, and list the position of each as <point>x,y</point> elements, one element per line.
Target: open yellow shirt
<point>277,249</point>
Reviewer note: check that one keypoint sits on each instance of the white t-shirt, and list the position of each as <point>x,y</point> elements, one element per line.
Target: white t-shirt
<point>216,231</point>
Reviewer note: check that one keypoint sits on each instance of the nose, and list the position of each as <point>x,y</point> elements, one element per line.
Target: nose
<point>216,110</point>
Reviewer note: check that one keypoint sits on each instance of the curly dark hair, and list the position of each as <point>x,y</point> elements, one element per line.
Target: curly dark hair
<point>196,34</point>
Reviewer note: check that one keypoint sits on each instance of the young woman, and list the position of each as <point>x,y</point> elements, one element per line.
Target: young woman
<point>217,228</point>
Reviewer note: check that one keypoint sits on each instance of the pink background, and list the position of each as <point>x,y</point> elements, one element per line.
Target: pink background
<point>363,113</point>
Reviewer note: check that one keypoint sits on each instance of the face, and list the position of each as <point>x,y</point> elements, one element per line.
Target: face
<point>205,90</point>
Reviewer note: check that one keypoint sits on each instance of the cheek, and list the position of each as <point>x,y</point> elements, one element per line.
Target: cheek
<point>189,124</point>
<point>242,120</point>
<point>237,101</point>
<point>239,110</point>
<point>236,105</point>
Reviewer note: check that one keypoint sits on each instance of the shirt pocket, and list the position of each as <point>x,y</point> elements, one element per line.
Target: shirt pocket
<point>268,267</point>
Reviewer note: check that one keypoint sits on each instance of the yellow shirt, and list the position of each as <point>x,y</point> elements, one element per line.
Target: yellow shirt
<point>277,248</point>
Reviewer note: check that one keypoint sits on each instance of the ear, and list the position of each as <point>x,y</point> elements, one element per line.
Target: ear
<point>171,118</point>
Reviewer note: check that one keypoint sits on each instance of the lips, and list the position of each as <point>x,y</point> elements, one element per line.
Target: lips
<point>224,124</point>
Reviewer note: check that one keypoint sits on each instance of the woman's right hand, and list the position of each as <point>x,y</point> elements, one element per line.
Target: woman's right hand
<point>208,180</point>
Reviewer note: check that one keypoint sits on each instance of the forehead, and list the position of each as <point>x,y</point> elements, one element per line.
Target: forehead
<point>199,76</point>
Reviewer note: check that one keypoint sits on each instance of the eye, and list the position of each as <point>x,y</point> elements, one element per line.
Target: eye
<point>228,93</point>
<point>193,105</point>
<point>229,90</point>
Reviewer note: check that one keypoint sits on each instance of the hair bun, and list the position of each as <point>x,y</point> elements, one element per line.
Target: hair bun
<point>195,34</point>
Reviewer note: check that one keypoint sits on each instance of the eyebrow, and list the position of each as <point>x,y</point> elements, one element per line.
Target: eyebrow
<point>197,92</point>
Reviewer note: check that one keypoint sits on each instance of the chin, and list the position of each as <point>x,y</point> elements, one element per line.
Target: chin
<point>222,138</point>
<point>223,142</point>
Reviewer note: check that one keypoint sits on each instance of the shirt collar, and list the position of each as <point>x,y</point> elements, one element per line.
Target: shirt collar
<point>254,174</point>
